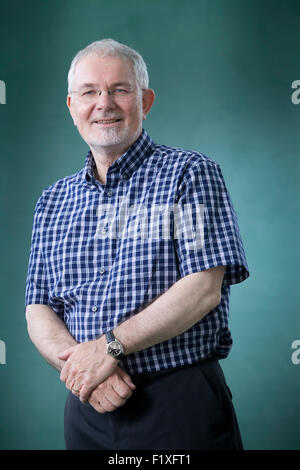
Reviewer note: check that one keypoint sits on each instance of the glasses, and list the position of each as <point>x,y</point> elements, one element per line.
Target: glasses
<point>90,95</point>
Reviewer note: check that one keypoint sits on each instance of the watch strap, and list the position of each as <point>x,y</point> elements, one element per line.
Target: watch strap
<point>110,336</point>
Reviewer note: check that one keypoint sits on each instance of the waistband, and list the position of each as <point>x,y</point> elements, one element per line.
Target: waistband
<point>152,375</point>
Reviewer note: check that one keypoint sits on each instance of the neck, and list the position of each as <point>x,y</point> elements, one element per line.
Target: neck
<point>105,156</point>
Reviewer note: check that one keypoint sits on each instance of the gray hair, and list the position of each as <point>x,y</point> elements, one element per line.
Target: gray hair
<point>110,47</point>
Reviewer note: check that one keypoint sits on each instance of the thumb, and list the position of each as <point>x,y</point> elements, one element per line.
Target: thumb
<point>64,355</point>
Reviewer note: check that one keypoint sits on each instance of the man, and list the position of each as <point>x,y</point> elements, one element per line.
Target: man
<point>129,274</point>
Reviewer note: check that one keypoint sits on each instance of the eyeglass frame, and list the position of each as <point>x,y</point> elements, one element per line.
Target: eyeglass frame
<point>109,92</point>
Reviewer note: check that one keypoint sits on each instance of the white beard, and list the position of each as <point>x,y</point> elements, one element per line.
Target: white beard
<point>112,136</point>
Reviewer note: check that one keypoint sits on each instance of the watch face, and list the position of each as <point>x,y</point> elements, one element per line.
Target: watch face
<point>115,348</point>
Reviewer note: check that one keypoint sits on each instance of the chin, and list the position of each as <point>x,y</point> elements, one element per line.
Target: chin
<point>111,137</point>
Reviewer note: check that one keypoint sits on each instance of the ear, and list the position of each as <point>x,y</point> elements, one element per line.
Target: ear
<point>148,99</point>
<point>71,109</point>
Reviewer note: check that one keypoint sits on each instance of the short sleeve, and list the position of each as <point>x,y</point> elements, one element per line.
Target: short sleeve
<point>36,281</point>
<point>206,225</point>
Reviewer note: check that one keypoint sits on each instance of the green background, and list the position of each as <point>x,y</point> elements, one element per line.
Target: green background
<point>222,71</point>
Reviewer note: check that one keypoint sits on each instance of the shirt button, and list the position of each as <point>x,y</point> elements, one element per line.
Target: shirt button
<point>94,308</point>
<point>109,193</point>
<point>104,230</point>
<point>102,270</point>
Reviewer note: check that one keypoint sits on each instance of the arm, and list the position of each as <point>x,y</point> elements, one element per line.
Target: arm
<point>177,310</point>
<point>50,335</point>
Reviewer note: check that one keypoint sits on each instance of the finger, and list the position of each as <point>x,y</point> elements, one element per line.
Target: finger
<point>97,406</point>
<point>110,400</point>
<point>111,397</point>
<point>122,388</point>
<point>64,355</point>
<point>91,382</point>
<point>107,405</point>
<point>95,403</point>
<point>105,393</point>
<point>127,379</point>
<point>75,389</point>
<point>72,381</point>
<point>100,402</point>
<point>86,390</point>
<point>65,372</point>
<point>75,392</point>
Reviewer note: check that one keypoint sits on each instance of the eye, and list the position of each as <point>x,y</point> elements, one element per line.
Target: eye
<point>89,93</point>
<point>120,91</point>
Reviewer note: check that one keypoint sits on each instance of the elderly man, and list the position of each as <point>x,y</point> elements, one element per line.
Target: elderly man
<point>129,274</point>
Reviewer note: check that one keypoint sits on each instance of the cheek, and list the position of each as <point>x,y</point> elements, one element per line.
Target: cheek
<point>81,115</point>
<point>82,120</point>
<point>135,113</point>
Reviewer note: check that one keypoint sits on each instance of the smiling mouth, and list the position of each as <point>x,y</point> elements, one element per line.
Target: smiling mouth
<point>106,121</point>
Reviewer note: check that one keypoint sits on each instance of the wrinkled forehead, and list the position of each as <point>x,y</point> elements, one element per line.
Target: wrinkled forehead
<point>103,69</point>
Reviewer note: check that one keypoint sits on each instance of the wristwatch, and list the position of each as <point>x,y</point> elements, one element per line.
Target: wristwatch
<point>113,346</point>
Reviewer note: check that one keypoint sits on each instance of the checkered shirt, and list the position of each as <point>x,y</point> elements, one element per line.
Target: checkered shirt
<point>102,253</point>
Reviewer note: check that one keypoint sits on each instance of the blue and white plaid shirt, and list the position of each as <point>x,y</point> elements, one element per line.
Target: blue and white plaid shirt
<point>101,253</point>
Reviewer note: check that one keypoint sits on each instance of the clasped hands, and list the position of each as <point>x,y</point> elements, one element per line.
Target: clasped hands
<point>94,376</point>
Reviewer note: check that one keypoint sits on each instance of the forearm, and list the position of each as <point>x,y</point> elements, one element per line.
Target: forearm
<point>174,312</point>
<point>48,333</point>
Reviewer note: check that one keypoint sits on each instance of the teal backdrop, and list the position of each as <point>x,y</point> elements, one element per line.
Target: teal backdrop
<point>223,73</point>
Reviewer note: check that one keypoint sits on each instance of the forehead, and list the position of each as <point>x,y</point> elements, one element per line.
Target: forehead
<point>103,69</point>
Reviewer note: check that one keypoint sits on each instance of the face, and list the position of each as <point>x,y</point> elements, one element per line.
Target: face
<point>109,123</point>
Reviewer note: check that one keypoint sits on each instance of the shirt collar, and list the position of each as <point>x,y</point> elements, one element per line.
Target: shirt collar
<point>128,162</point>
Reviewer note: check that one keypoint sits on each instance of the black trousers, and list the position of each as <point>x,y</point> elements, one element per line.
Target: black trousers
<point>187,408</point>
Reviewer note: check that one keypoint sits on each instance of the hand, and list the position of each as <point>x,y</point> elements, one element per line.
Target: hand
<point>87,365</point>
<point>113,392</point>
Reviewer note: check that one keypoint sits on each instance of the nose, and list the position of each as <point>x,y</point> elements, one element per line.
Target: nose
<point>104,100</point>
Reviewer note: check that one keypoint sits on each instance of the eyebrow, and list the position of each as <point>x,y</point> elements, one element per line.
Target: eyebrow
<point>122,84</point>
<point>86,85</point>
